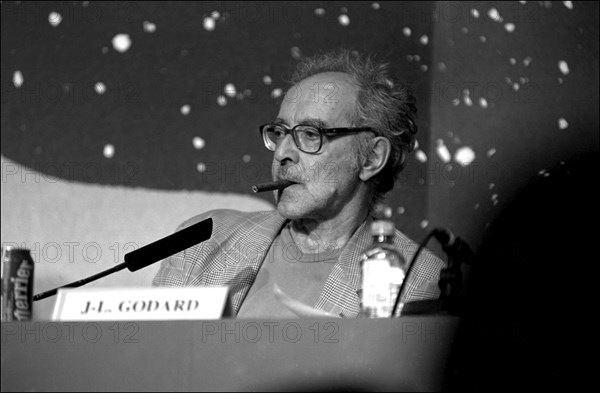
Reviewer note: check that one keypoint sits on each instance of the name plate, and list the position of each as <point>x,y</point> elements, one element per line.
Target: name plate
<point>141,304</point>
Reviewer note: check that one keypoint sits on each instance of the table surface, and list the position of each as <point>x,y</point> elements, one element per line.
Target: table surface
<point>407,353</point>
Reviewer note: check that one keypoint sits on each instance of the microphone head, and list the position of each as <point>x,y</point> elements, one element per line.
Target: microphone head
<point>169,245</point>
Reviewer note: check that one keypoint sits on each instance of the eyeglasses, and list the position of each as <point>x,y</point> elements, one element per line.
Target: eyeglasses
<point>308,138</point>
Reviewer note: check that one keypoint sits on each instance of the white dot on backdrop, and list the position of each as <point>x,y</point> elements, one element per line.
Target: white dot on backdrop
<point>475,13</point>
<point>491,152</point>
<point>464,30</point>
<point>483,102</point>
<point>455,102</point>
<point>215,15</point>
<point>494,15</point>
<point>104,50</point>
<point>512,61</point>
<point>100,88</point>
<point>510,27</point>
<point>222,100</point>
<point>208,23</point>
<point>562,123</point>
<point>276,93</point>
<point>482,38</point>
<point>246,158</point>
<point>568,4</point>
<point>375,6</point>
<point>421,156</point>
<point>406,31</point>
<point>296,52</point>
<point>54,18</point>
<point>344,20</point>
<point>442,151</point>
<point>464,156</point>
<point>230,90</point>
<point>18,79</point>
<point>319,12</point>
<point>467,100</point>
<point>198,143</point>
<point>423,67</point>
<point>267,80</point>
<point>527,61</point>
<point>149,27</point>
<point>564,67</point>
<point>201,167</point>
<point>108,151</point>
<point>401,210</point>
<point>185,110</point>
<point>442,66</point>
<point>121,42</point>
<point>424,39</point>
<point>424,224</point>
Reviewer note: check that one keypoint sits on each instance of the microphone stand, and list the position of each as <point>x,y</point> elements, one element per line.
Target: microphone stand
<point>79,283</point>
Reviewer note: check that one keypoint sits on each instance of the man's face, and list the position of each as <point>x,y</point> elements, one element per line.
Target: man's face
<point>328,180</point>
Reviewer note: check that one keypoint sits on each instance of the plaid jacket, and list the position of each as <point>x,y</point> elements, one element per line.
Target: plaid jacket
<point>240,241</point>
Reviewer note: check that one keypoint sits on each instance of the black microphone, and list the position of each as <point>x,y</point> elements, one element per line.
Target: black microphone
<point>167,246</point>
<point>149,254</point>
<point>454,246</point>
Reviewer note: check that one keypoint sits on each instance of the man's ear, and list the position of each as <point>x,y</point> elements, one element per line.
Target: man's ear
<point>377,155</point>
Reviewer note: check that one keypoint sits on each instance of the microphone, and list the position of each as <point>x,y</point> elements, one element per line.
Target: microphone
<point>454,246</point>
<point>167,246</point>
<point>149,254</point>
<point>458,251</point>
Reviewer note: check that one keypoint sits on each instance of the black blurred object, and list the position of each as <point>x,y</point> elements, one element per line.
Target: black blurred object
<point>149,254</point>
<point>524,321</point>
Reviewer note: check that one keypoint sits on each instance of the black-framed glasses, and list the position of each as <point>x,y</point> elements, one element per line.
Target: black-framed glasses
<point>308,138</point>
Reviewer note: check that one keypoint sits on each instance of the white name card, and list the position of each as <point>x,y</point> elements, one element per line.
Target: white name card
<point>141,304</point>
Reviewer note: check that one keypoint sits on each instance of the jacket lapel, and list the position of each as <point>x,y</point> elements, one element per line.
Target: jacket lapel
<point>339,295</point>
<point>244,258</point>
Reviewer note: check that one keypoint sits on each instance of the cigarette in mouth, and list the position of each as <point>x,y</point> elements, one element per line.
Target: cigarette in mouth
<point>274,185</point>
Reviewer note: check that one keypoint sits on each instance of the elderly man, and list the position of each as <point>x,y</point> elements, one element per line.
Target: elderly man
<point>342,135</point>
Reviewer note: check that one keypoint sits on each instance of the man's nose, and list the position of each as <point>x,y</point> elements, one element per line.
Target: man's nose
<point>286,149</point>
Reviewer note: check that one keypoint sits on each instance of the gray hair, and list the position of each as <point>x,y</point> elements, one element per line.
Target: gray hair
<point>387,106</point>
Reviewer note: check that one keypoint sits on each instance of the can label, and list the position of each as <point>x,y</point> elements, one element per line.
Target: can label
<point>17,284</point>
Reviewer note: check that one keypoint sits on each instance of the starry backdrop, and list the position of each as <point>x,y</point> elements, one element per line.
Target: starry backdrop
<point>170,96</point>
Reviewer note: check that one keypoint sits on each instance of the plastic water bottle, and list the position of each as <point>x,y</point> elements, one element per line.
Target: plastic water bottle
<point>383,269</point>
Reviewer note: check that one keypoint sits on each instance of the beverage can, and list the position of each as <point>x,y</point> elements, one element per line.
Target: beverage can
<point>17,284</point>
